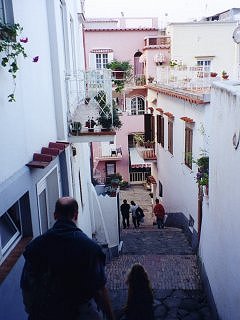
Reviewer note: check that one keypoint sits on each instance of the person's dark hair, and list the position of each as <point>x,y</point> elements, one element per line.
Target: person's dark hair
<point>157,200</point>
<point>140,295</point>
<point>124,201</point>
<point>66,208</point>
<point>133,203</point>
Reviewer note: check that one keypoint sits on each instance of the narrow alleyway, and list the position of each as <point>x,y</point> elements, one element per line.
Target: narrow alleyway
<point>170,262</point>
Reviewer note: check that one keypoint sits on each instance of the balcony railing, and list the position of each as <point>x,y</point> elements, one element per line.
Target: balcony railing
<point>162,41</point>
<point>114,153</point>
<point>194,78</point>
<point>147,151</point>
<point>89,94</point>
<point>138,177</point>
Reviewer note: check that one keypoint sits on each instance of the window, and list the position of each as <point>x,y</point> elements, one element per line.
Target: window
<point>149,127</point>
<point>206,64</point>
<point>137,106</point>
<point>110,168</point>
<point>6,12</point>
<point>15,223</point>
<point>188,146</point>
<point>170,136</point>
<point>101,60</point>
<point>152,41</point>
<point>160,130</point>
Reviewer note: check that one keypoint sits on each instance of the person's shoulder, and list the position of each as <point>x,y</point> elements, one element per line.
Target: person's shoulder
<point>88,243</point>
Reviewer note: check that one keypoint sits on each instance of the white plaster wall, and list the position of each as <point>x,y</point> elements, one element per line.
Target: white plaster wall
<point>179,185</point>
<point>189,40</point>
<point>81,166</point>
<point>28,123</point>
<point>219,249</point>
<point>110,216</point>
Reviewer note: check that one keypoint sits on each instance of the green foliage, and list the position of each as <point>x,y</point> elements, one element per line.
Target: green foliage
<point>119,65</point>
<point>11,49</point>
<point>139,138</point>
<point>106,119</point>
<point>203,169</point>
<point>124,66</point>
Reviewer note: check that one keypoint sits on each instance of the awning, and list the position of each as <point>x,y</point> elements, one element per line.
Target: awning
<point>136,160</point>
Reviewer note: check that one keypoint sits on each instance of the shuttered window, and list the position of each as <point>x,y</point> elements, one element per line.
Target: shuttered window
<point>188,146</point>
<point>170,136</point>
<point>160,130</point>
<point>149,127</point>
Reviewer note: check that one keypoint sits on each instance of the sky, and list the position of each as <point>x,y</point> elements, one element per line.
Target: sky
<point>170,10</point>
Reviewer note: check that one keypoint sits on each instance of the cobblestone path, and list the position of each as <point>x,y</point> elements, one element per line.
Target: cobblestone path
<point>170,262</point>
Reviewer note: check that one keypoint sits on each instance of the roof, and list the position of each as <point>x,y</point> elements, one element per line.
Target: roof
<point>120,29</point>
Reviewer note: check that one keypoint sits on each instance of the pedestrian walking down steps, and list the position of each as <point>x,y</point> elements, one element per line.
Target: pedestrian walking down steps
<point>137,214</point>
<point>159,212</point>
<point>125,211</point>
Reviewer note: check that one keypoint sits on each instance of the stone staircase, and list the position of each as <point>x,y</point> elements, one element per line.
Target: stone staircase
<point>169,261</point>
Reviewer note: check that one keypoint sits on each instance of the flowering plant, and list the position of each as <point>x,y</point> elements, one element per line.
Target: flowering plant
<point>12,48</point>
<point>203,168</point>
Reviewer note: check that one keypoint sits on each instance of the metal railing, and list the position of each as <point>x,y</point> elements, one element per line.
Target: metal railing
<point>194,78</point>
<point>87,92</point>
<point>138,177</point>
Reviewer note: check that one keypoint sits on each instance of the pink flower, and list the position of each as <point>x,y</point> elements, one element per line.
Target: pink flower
<point>35,59</point>
<point>24,40</point>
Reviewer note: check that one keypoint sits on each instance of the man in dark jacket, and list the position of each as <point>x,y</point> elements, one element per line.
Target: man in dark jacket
<point>125,209</point>
<point>63,277</point>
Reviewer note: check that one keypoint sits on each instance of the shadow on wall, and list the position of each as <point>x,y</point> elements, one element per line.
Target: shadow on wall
<point>179,220</point>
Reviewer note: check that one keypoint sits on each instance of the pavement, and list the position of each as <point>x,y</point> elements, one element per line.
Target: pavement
<point>169,261</point>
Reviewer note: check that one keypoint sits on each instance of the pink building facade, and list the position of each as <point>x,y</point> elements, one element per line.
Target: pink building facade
<point>140,42</point>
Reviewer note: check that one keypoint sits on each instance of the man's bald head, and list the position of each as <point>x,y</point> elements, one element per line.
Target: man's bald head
<point>66,208</point>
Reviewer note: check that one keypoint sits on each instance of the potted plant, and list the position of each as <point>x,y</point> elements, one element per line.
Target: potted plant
<point>224,75</point>
<point>107,119</point>
<point>122,68</point>
<point>90,124</point>
<point>213,74</point>
<point>139,139</point>
<point>150,79</point>
<point>75,128</point>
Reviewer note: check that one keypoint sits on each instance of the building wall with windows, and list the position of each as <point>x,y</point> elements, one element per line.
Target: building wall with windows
<point>219,250</point>
<point>177,170</point>
<point>39,116</point>
<point>205,41</point>
<point>113,40</point>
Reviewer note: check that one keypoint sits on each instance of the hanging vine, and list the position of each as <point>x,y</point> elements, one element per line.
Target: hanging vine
<point>10,49</point>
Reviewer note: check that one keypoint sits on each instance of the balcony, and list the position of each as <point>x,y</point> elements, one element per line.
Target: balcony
<point>153,42</point>
<point>113,154</point>
<point>147,151</point>
<point>89,96</point>
<point>193,82</point>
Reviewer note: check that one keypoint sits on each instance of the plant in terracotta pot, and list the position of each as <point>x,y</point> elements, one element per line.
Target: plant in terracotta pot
<point>224,75</point>
<point>213,74</point>
<point>122,70</point>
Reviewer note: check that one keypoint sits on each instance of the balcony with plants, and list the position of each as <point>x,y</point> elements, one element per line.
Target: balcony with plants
<point>146,149</point>
<point>91,114</point>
